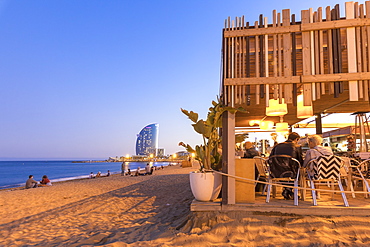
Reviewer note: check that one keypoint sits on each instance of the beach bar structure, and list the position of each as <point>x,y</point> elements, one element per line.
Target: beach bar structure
<point>321,62</point>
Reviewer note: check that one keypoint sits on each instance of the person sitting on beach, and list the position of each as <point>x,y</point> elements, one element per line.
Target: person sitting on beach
<point>108,173</point>
<point>128,173</point>
<point>31,183</point>
<point>137,173</point>
<point>45,181</point>
<point>98,174</point>
<point>91,175</point>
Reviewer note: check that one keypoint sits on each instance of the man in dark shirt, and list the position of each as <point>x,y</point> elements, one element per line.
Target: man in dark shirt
<point>292,149</point>
<point>289,147</point>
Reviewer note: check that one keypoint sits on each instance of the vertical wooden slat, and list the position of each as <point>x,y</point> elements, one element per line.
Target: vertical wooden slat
<point>274,55</point>
<point>312,45</point>
<point>306,58</point>
<point>266,58</point>
<point>340,64</point>
<point>330,50</point>
<point>363,52</point>
<point>279,58</point>
<point>262,58</point>
<point>287,55</point>
<point>336,50</point>
<point>257,60</point>
<point>321,49</point>
<point>351,49</point>
<point>247,60</point>
<point>316,57</point>
<point>294,62</point>
<point>366,88</point>
<point>358,51</point>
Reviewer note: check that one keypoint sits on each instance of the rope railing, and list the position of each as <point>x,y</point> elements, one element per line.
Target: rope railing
<point>288,186</point>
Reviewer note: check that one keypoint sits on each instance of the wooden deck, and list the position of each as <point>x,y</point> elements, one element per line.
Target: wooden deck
<point>358,206</point>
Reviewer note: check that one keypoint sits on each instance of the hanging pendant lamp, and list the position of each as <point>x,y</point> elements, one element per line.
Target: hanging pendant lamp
<point>275,109</point>
<point>302,110</point>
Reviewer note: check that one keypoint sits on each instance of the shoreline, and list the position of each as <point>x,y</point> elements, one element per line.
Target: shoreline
<point>21,184</point>
<point>154,210</point>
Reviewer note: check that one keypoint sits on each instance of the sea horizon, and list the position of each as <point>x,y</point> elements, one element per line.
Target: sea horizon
<point>15,173</point>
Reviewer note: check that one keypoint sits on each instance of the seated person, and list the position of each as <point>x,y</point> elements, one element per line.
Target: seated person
<point>128,173</point>
<point>250,150</point>
<point>45,181</point>
<point>137,173</point>
<point>316,150</point>
<point>91,175</point>
<point>108,173</point>
<point>31,183</point>
<point>290,148</point>
<point>98,175</point>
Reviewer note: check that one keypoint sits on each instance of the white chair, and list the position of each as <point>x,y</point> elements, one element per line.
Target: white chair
<point>283,169</point>
<point>363,174</point>
<point>262,169</point>
<point>326,170</point>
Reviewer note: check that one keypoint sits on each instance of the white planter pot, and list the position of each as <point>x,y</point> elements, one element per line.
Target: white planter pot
<point>205,185</point>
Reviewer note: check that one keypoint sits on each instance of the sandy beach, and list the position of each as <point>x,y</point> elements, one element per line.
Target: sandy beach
<point>154,211</point>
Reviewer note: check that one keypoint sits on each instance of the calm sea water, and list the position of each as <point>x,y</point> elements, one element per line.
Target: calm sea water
<point>15,173</point>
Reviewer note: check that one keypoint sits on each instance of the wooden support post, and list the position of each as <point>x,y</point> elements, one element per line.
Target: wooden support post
<point>318,124</point>
<point>228,157</point>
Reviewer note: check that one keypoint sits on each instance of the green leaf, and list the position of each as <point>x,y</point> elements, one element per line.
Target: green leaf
<point>191,115</point>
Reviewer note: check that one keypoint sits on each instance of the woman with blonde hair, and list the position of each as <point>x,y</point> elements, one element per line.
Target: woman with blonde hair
<point>316,150</point>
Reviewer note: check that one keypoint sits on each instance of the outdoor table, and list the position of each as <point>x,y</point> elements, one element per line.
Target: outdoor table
<point>244,190</point>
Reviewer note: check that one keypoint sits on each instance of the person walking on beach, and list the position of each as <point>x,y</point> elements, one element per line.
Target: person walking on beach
<point>31,183</point>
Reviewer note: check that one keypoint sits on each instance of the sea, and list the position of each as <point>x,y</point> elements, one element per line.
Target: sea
<point>15,173</point>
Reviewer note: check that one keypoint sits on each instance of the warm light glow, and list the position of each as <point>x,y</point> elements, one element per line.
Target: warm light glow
<point>266,125</point>
<point>282,127</point>
<point>193,155</point>
<point>174,156</point>
<point>127,156</point>
<point>254,122</point>
<point>151,155</point>
<point>275,109</point>
<point>303,111</point>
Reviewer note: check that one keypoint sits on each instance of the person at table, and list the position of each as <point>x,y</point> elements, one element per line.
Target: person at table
<point>316,150</point>
<point>290,148</point>
<point>250,150</point>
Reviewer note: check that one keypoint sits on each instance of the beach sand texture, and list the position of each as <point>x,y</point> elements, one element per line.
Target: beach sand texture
<point>155,211</point>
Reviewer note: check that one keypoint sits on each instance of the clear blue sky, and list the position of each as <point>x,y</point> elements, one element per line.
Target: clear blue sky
<point>80,78</point>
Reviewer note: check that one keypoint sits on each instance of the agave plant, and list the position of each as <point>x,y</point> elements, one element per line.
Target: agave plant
<point>208,153</point>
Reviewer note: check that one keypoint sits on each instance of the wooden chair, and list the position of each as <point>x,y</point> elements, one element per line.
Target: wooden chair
<point>325,170</point>
<point>283,169</point>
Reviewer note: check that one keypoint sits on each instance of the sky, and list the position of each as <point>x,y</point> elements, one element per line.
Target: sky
<point>79,79</point>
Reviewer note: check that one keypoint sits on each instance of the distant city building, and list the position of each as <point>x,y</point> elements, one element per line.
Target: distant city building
<point>147,140</point>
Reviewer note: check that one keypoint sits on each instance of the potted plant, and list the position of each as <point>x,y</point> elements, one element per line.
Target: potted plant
<point>205,184</point>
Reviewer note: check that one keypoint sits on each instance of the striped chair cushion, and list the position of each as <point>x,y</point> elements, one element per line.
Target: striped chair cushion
<point>327,167</point>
